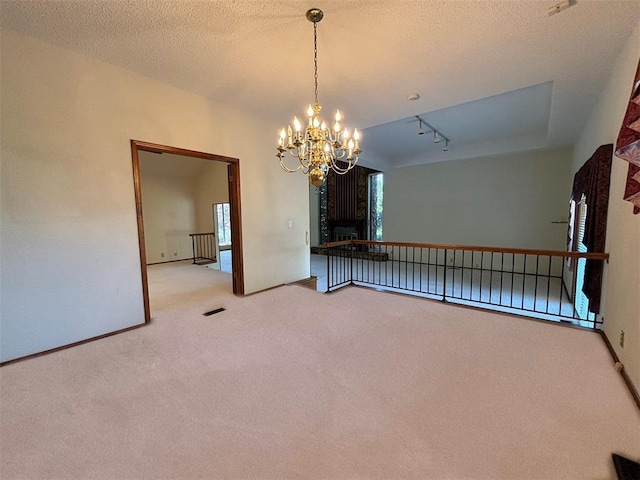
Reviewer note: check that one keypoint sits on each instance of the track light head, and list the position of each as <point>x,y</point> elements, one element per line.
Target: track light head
<point>437,136</point>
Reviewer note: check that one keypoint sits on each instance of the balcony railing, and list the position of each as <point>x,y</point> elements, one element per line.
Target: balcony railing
<point>535,283</point>
<point>204,248</point>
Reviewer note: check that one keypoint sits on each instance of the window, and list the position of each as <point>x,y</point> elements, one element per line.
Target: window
<point>581,300</point>
<point>223,216</point>
<point>376,183</point>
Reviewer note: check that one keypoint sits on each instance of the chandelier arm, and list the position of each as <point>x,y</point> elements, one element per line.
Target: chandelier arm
<point>302,166</point>
<point>302,156</point>
<point>289,170</point>
<point>342,170</point>
<point>339,154</point>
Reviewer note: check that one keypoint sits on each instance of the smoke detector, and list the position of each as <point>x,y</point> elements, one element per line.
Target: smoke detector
<point>413,96</point>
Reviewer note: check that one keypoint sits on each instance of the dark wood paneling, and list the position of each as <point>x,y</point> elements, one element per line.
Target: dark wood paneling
<point>347,200</point>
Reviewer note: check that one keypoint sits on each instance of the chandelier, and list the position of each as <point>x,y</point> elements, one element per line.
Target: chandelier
<point>318,147</point>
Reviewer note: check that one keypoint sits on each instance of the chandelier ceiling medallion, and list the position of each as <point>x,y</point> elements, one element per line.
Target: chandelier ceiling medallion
<point>317,147</point>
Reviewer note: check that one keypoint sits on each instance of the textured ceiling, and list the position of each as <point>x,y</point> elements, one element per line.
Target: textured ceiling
<point>258,55</point>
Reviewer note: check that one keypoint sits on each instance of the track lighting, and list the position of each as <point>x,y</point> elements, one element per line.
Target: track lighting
<point>437,134</point>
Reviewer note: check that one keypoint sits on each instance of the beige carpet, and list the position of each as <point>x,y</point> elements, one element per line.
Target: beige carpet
<point>179,285</point>
<point>291,383</point>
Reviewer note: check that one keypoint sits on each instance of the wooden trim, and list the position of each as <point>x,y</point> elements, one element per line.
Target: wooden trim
<point>309,282</point>
<point>141,243</point>
<point>623,371</point>
<point>75,344</point>
<point>343,243</point>
<point>156,148</point>
<point>172,261</point>
<point>234,201</point>
<point>523,251</point>
<point>237,262</point>
<point>266,289</point>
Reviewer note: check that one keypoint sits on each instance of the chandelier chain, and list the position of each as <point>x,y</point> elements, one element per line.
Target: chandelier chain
<point>315,60</point>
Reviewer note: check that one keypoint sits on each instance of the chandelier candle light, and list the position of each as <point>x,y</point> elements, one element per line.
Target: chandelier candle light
<point>318,148</point>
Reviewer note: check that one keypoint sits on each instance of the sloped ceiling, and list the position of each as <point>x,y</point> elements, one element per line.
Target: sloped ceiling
<point>495,76</point>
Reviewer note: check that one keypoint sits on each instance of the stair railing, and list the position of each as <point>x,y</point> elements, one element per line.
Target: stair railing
<point>204,248</point>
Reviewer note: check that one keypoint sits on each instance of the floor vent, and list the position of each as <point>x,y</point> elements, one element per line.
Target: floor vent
<point>217,310</point>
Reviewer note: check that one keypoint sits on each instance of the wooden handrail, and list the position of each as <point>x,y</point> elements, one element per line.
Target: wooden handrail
<point>523,251</point>
<point>198,234</point>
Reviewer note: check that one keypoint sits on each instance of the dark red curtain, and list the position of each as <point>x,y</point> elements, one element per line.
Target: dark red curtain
<point>593,181</point>
<point>628,144</point>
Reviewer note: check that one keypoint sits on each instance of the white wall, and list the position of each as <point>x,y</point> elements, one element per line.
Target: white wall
<point>506,201</point>
<point>314,216</point>
<point>621,300</point>
<point>169,208</point>
<point>69,247</point>
<point>212,186</point>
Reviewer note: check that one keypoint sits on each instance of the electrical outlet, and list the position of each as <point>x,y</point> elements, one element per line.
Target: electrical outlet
<point>162,255</point>
<point>621,338</point>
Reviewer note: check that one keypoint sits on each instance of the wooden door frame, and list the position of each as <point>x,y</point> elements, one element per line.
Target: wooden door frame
<point>233,176</point>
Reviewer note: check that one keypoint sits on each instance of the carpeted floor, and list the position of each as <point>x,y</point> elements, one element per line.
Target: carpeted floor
<point>291,383</point>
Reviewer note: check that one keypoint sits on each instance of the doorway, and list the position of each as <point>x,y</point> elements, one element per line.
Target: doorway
<point>233,179</point>
<point>222,229</point>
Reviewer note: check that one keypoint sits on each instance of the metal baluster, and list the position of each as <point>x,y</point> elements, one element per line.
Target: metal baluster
<point>428,270</point>
<point>535,288</point>
<point>564,261</point>
<point>444,278</point>
<point>420,274</point>
<point>513,266</point>
<point>328,269</point>
<point>501,274</point>
<point>481,274</point>
<point>546,308</point>
<point>351,251</point>
<point>524,280</point>
<point>473,268</point>
<point>453,274</point>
